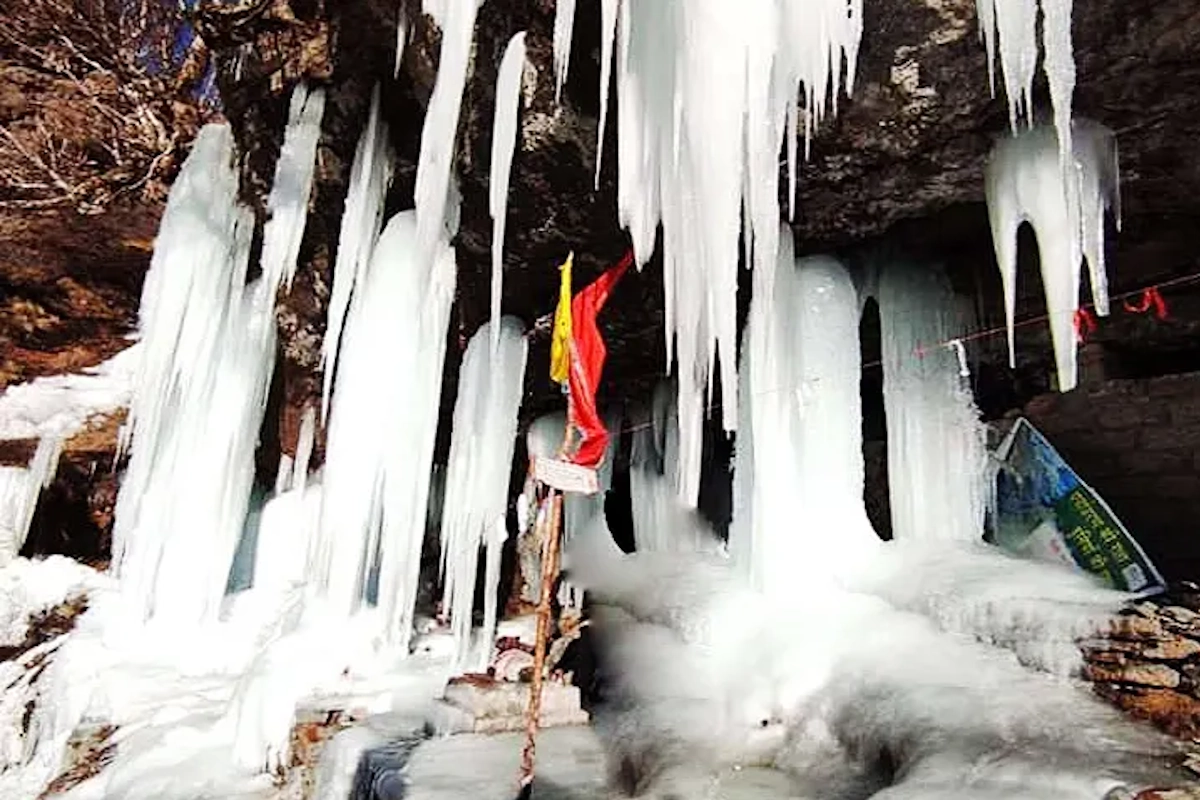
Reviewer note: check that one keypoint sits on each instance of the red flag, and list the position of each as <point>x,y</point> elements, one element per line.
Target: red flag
<point>587,364</point>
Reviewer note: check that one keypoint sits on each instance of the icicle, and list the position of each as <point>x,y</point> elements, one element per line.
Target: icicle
<point>208,343</point>
<point>504,135</point>
<point>478,474</point>
<point>19,492</point>
<point>381,430</point>
<point>432,192</point>
<point>304,448</point>
<point>1009,29</point>
<point>801,373</point>
<point>608,33</point>
<point>1025,182</point>
<point>287,204</point>
<point>704,89</point>
<point>934,432</point>
<point>370,176</point>
<point>401,38</point>
<point>564,27</point>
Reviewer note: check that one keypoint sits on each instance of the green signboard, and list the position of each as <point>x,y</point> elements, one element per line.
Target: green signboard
<point>1043,510</point>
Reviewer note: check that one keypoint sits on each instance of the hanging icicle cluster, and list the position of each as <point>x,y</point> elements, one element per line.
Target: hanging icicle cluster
<point>1027,182</point>
<point>706,90</point>
<point>207,360</point>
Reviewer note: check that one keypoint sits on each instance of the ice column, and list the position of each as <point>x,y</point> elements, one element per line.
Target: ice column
<point>804,443</point>
<point>381,430</point>
<point>936,441</point>
<point>478,475</point>
<point>207,359</point>
<point>370,176</point>
<point>504,135</point>
<point>705,89</point>
<point>1025,182</point>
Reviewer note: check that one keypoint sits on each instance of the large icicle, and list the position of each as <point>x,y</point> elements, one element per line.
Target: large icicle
<point>704,89</point>
<point>935,438</point>
<point>564,27</point>
<point>1025,182</point>
<point>504,136</point>
<point>287,204</point>
<point>207,359</point>
<point>19,492</point>
<point>477,477</point>
<point>370,176</point>
<point>433,187</point>
<point>608,34</point>
<point>381,429</point>
<point>801,382</point>
<point>1009,29</point>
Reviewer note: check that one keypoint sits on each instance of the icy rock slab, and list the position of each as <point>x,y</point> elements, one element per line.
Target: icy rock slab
<point>1065,204</point>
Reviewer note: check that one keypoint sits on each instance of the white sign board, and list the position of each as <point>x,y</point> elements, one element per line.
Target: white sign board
<point>566,477</point>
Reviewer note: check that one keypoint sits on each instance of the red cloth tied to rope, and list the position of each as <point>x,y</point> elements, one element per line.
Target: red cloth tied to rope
<point>1085,324</point>
<point>1150,300</point>
<point>587,364</point>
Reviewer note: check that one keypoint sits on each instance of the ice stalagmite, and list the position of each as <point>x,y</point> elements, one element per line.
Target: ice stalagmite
<point>370,176</point>
<point>477,477</point>
<point>1026,183</point>
<point>433,187</point>
<point>801,383</point>
<point>704,90</point>
<point>935,438</point>
<point>207,359</point>
<point>504,135</point>
<point>1009,29</point>
<point>381,429</point>
<point>564,27</point>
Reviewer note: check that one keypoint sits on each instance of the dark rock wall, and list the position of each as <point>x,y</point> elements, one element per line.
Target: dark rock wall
<point>1137,442</point>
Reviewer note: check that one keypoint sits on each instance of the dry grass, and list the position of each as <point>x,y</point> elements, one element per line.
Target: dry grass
<point>95,102</point>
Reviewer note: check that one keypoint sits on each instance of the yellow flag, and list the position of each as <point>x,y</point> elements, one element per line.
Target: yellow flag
<point>560,345</point>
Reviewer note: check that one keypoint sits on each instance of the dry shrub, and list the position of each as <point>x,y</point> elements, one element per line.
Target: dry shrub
<point>97,100</point>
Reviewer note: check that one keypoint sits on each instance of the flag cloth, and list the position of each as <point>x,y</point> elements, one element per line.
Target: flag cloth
<point>560,345</point>
<point>587,364</point>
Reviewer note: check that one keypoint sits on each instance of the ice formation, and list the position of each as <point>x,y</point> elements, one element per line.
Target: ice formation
<point>799,494</point>
<point>208,353</point>
<point>935,437</point>
<point>1026,182</point>
<point>564,27</point>
<point>705,89</point>
<point>19,492</point>
<point>362,219</point>
<point>381,429</point>
<point>434,186</point>
<point>504,136</point>
<point>1009,29</point>
<point>478,475</point>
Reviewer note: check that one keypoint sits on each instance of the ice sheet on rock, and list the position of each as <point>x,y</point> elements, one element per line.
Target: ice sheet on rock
<point>30,586</point>
<point>504,137</point>
<point>207,355</point>
<point>704,90</point>
<point>935,436</point>
<point>564,27</point>
<point>477,476</point>
<point>457,21</point>
<point>1038,611</point>
<point>1026,182</point>
<point>801,376</point>
<point>381,431</point>
<point>287,204</point>
<point>62,404</point>
<point>362,219</point>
